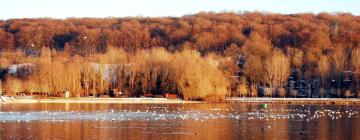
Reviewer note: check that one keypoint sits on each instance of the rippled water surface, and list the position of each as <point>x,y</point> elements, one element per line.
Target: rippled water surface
<point>179,121</point>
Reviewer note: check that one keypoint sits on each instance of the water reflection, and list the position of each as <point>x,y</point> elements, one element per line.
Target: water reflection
<point>178,121</point>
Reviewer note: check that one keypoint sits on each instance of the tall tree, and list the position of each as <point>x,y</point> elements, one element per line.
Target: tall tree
<point>355,67</point>
<point>277,69</point>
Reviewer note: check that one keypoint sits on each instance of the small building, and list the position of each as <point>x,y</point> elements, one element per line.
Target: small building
<point>171,96</point>
<point>67,94</point>
<point>116,93</point>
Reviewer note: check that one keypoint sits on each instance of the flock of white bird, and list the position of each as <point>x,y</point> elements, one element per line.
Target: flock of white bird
<point>160,113</point>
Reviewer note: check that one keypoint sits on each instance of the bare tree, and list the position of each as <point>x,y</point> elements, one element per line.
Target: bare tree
<point>355,67</point>
<point>323,71</point>
<point>277,69</point>
<point>14,85</point>
<point>339,60</point>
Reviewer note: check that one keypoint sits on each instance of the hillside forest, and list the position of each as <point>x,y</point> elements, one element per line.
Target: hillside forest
<point>198,57</point>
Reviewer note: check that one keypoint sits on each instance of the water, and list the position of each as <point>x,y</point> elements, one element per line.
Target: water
<point>179,121</point>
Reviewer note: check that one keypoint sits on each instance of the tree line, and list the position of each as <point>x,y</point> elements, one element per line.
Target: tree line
<point>221,54</point>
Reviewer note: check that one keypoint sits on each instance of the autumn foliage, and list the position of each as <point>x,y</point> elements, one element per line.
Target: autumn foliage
<point>194,56</point>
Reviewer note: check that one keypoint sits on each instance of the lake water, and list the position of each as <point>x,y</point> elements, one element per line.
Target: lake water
<point>179,121</point>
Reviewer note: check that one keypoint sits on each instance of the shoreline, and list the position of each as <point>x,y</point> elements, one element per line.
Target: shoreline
<point>104,100</point>
<point>335,101</point>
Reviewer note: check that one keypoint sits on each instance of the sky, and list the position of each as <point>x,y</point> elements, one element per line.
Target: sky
<point>159,8</point>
